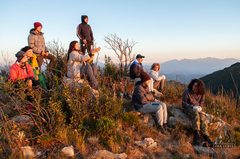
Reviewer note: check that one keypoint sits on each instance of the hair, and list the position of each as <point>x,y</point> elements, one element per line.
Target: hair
<point>156,64</point>
<point>71,48</point>
<point>200,85</point>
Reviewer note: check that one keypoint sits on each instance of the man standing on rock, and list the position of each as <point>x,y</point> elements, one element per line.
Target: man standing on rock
<point>37,42</point>
<point>136,68</point>
<point>85,34</point>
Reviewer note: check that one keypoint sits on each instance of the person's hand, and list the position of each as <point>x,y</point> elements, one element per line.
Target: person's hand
<point>43,53</point>
<point>96,50</point>
<point>37,77</point>
<point>29,83</point>
<point>46,53</point>
<point>84,41</point>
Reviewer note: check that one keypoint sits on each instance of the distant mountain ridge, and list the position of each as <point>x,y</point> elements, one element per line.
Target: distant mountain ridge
<point>222,78</point>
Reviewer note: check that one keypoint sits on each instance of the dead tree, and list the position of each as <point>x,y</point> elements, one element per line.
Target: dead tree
<point>123,49</point>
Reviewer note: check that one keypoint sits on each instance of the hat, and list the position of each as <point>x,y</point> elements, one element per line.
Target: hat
<point>26,48</point>
<point>144,76</point>
<point>140,56</point>
<point>20,55</point>
<point>36,24</point>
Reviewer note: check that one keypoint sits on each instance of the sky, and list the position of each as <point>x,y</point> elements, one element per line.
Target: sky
<point>163,29</point>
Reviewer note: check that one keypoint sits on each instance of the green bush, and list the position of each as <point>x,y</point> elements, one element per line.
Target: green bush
<point>130,118</point>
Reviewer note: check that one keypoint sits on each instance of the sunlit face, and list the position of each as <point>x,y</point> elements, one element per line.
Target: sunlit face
<point>24,59</point>
<point>147,82</point>
<point>29,53</point>
<point>86,20</point>
<point>140,60</point>
<point>155,68</point>
<point>39,28</point>
<point>76,46</point>
<point>195,87</point>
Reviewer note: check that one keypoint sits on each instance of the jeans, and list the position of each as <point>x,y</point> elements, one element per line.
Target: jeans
<point>159,109</point>
<point>90,72</point>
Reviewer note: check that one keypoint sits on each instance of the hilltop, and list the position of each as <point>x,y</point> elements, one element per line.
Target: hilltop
<point>222,78</point>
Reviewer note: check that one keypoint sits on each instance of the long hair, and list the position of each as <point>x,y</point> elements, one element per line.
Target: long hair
<point>200,85</point>
<point>71,48</point>
<point>156,64</point>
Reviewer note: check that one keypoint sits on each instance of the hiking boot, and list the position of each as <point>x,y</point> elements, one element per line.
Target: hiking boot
<point>196,139</point>
<point>162,130</point>
<point>166,127</point>
<point>209,142</point>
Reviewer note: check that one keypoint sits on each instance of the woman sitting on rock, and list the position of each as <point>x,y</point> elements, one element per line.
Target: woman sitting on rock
<point>142,98</point>
<point>194,96</point>
<point>77,67</point>
<point>158,80</point>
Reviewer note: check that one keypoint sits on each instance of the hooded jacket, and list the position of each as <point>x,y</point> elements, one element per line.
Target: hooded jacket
<point>75,63</point>
<point>84,30</point>
<point>141,95</point>
<point>135,69</point>
<point>37,42</point>
<point>16,72</point>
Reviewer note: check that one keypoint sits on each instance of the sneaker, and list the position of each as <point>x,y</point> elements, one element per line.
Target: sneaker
<point>162,130</point>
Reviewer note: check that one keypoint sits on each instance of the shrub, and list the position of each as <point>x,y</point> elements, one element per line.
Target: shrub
<point>130,118</point>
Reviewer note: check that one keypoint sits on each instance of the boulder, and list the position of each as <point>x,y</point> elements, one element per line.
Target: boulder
<point>179,116</point>
<point>205,150</point>
<point>108,155</point>
<point>146,143</point>
<point>69,151</point>
<point>27,151</point>
<point>25,119</point>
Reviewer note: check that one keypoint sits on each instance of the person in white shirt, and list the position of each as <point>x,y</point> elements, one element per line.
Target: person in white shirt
<point>158,80</point>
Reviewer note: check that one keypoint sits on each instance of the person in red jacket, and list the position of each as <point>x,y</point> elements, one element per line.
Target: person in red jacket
<point>21,70</point>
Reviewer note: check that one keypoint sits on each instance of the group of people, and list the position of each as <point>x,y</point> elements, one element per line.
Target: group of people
<point>27,68</point>
<point>142,99</point>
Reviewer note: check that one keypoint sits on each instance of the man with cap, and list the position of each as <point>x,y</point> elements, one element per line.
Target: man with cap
<point>37,42</point>
<point>22,71</point>
<point>142,98</point>
<point>85,34</point>
<point>136,68</point>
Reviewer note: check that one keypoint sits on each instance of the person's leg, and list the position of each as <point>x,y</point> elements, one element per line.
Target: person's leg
<point>194,117</point>
<point>95,70</point>
<point>157,109</point>
<point>89,46</point>
<point>83,47</point>
<point>203,125</point>
<point>156,84</point>
<point>87,71</point>
<point>162,83</point>
<point>165,114</point>
<point>51,58</point>
<point>39,61</point>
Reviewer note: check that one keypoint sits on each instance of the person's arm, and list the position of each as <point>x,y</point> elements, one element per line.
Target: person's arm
<point>185,98</point>
<point>13,74</point>
<point>31,43</point>
<point>79,32</point>
<point>139,93</point>
<point>136,70</point>
<point>91,33</point>
<point>202,100</point>
<point>30,71</point>
<point>155,76</point>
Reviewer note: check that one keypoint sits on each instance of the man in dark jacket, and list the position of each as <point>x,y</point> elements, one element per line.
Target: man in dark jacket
<point>85,34</point>
<point>37,42</point>
<point>136,68</point>
<point>142,98</point>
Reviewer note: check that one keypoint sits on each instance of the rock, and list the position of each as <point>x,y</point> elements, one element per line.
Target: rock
<point>109,155</point>
<point>148,120</point>
<point>206,150</point>
<point>27,151</point>
<point>22,119</point>
<point>179,116</point>
<point>146,143</point>
<point>69,151</point>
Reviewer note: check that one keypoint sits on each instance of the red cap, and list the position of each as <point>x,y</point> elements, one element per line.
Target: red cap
<point>36,24</point>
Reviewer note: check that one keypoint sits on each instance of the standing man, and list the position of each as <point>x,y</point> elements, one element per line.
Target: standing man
<point>85,34</point>
<point>136,68</point>
<point>37,42</point>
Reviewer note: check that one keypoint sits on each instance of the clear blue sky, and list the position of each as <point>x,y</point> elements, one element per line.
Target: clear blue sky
<point>164,29</point>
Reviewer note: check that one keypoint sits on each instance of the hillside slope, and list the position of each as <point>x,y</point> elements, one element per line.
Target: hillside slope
<point>223,78</point>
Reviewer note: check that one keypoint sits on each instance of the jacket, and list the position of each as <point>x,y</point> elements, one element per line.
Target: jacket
<point>141,95</point>
<point>33,62</point>
<point>155,76</point>
<point>37,42</point>
<point>190,99</point>
<point>75,63</point>
<point>16,72</point>
<point>135,69</point>
<point>84,31</point>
